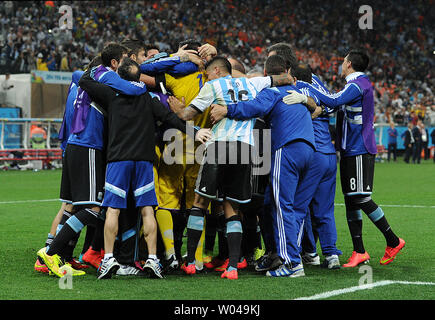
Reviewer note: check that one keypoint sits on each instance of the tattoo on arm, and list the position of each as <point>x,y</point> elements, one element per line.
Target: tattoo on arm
<point>280,80</point>
<point>311,104</point>
<point>187,113</point>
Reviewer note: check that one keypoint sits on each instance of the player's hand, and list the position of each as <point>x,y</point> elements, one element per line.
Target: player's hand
<point>175,104</point>
<point>207,51</point>
<point>184,54</point>
<point>316,112</point>
<point>203,135</point>
<point>217,113</point>
<point>196,60</point>
<point>294,97</point>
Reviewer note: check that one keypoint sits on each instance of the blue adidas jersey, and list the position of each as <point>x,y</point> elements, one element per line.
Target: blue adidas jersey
<point>94,133</point>
<point>64,131</point>
<point>287,123</point>
<point>320,124</point>
<point>349,100</point>
<point>170,65</point>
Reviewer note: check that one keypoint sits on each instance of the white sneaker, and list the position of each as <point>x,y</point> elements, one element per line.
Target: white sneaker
<point>311,259</point>
<point>154,267</point>
<point>331,262</point>
<point>125,270</point>
<point>284,270</point>
<point>107,267</point>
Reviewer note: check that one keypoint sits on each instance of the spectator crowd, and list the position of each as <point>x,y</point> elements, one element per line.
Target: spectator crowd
<point>400,44</point>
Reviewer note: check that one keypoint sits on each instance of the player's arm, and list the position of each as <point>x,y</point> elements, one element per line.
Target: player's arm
<point>100,93</point>
<point>313,103</point>
<point>113,80</point>
<point>243,110</point>
<point>201,102</point>
<point>168,117</point>
<point>349,94</point>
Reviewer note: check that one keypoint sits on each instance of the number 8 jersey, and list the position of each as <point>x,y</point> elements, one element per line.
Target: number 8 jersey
<point>229,90</point>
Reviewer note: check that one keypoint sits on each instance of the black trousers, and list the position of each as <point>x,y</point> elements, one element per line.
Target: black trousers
<point>392,149</point>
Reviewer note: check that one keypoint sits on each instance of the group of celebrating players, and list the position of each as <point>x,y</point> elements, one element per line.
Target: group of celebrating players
<point>137,206</point>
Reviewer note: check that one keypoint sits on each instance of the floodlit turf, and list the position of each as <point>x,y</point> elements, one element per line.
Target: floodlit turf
<point>24,227</point>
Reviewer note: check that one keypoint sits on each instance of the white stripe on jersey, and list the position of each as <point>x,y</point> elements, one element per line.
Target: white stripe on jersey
<point>230,90</point>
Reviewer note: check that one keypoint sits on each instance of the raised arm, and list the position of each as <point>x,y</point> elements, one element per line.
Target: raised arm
<point>100,93</point>
<point>113,80</point>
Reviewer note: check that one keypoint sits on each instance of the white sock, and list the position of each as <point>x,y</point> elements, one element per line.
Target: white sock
<point>108,256</point>
<point>153,256</point>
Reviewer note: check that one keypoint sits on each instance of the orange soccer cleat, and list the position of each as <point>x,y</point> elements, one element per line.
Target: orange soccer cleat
<point>356,259</point>
<point>391,253</point>
<point>240,265</point>
<point>232,275</point>
<point>93,257</point>
<point>40,266</point>
<point>188,268</point>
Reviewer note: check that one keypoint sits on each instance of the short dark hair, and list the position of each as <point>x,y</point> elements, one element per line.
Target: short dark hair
<point>359,59</point>
<point>134,46</point>
<point>151,46</point>
<point>237,65</point>
<point>284,50</point>
<point>129,70</point>
<point>275,65</point>
<point>223,63</point>
<point>112,51</point>
<point>96,61</point>
<point>302,72</point>
<point>192,44</point>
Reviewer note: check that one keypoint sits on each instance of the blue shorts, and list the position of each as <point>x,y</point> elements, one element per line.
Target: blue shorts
<point>123,176</point>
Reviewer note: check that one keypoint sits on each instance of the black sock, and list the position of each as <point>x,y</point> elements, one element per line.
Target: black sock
<point>90,232</point>
<point>234,238</point>
<point>98,240</point>
<point>195,226</point>
<point>210,232</point>
<point>71,228</point>
<point>222,237</point>
<point>354,222</point>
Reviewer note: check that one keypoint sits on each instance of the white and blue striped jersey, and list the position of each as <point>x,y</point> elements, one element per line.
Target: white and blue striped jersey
<point>228,90</point>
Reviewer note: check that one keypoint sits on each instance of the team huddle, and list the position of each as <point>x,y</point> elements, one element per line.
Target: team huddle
<point>161,146</point>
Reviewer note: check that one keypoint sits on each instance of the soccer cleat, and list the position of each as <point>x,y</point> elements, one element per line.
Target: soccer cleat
<point>232,275</point>
<point>40,266</point>
<point>240,265</point>
<point>268,262</point>
<point>391,253</point>
<point>125,270</point>
<point>207,259</point>
<point>53,263</point>
<point>215,262</point>
<point>188,268</point>
<point>284,270</point>
<point>93,257</point>
<point>76,264</point>
<point>356,259</point>
<point>154,268</point>
<point>331,262</point>
<point>73,271</point>
<point>311,259</point>
<point>258,253</point>
<point>107,267</point>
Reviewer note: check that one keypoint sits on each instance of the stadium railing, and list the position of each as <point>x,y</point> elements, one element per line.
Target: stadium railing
<point>30,143</point>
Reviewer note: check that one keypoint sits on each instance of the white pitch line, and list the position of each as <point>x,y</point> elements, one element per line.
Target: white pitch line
<point>27,201</point>
<point>397,206</point>
<point>333,293</point>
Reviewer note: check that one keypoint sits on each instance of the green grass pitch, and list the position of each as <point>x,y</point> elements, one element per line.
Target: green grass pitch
<point>406,191</point>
